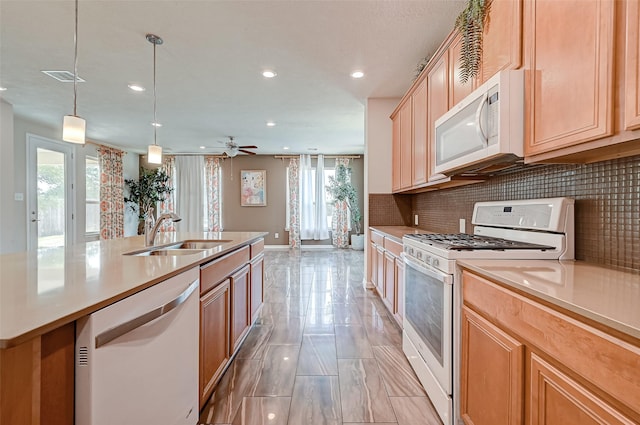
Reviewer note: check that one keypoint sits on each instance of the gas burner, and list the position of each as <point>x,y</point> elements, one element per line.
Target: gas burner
<point>467,242</point>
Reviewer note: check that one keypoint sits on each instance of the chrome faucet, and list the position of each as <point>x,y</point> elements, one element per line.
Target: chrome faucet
<point>151,227</point>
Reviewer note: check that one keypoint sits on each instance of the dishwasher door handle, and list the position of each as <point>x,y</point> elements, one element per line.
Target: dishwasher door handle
<point>126,327</point>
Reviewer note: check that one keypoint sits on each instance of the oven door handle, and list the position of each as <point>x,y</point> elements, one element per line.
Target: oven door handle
<point>428,270</point>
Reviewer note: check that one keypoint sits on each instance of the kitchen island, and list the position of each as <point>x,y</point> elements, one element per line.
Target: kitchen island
<point>42,294</point>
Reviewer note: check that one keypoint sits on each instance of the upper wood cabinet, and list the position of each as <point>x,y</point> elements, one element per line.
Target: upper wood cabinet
<point>569,48</point>
<point>419,121</point>
<point>437,105</point>
<point>406,146</point>
<point>632,66</point>
<point>502,38</point>
<point>396,154</point>
<point>457,90</point>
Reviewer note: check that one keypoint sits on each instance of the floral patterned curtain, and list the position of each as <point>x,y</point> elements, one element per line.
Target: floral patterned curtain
<point>169,202</point>
<point>213,186</point>
<point>111,193</point>
<point>340,217</point>
<point>294,203</point>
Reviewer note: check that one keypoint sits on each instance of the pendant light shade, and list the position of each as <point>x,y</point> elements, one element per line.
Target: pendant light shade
<point>73,127</point>
<point>154,152</point>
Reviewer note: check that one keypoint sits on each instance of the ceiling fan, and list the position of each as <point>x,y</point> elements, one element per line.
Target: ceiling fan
<point>232,148</point>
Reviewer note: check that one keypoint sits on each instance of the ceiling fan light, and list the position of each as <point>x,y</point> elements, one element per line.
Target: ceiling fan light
<point>74,129</point>
<point>154,154</point>
<point>231,152</point>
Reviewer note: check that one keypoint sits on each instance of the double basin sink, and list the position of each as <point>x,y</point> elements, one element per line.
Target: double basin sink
<point>188,247</point>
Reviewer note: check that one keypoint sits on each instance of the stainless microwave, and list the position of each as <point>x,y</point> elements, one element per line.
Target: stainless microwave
<point>485,128</point>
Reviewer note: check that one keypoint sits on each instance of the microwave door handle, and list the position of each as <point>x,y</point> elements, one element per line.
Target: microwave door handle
<point>479,128</point>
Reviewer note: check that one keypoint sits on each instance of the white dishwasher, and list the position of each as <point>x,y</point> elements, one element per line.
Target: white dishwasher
<point>137,359</point>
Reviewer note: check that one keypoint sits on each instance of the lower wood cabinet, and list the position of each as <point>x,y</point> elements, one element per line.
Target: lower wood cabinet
<point>576,373</point>
<point>240,319</point>
<point>492,373</point>
<point>380,270</point>
<point>558,399</point>
<point>373,264</point>
<point>399,313</point>
<point>215,311</point>
<point>389,297</point>
<point>257,286</point>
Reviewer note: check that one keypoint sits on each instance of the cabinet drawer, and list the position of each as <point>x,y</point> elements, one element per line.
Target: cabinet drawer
<point>219,269</point>
<point>377,238</point>
<point>393,247</point>
<point>257,248</point>
<point>603,360</point>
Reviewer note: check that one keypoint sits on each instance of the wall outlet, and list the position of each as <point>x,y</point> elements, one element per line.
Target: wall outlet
<point>276,235</point>
<point>462,225</point>
<point>18,196</point>
<point>415,219</point>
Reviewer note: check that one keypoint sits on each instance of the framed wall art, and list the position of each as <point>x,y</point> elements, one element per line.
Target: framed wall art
<point>253,188</point>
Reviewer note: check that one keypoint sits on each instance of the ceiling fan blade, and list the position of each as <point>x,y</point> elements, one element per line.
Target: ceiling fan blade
<point>248,147</point>
<point>248,152</point>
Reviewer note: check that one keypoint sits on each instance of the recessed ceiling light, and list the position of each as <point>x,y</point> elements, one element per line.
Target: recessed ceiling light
<point>269,74</point>
<point>271,124</point>
<point>156,124</point>
<point>357,74</point>
<point>286,148</point>
<point>136,87</point>
<point>3,89</point>
<point>202,147</point>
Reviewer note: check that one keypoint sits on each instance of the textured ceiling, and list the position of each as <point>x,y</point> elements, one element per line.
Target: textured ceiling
<point>209,80</point>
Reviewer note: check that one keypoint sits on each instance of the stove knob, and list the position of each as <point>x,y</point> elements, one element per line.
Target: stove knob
<point>420,254</point>
<point>410,251</point>
<point>435,262</point>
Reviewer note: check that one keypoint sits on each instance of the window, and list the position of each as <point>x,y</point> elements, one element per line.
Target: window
<point>328,172</point>
<point>92,196</point>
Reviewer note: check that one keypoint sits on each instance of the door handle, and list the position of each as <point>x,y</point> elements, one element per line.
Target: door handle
<point>33,220</point>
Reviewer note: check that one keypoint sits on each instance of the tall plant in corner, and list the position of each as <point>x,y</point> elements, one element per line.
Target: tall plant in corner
<point>470,24</point>
<point>341,189</point>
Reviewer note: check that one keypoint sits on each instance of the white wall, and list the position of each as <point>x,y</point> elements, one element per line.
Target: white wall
<point>378,150</point>
<point>8,236</point>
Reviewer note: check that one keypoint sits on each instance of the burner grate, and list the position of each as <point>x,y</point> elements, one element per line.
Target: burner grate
<point>468,242</point>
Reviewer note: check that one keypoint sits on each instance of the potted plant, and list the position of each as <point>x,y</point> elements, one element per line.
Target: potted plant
<point>341,189</point>
<point>144,193</point>
<point>470,24</point>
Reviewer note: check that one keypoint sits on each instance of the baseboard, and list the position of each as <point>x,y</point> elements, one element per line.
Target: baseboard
<point>277,247</point>
<point>312,247</point>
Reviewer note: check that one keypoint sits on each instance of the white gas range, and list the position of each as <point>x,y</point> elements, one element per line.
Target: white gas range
<point>529,229</point>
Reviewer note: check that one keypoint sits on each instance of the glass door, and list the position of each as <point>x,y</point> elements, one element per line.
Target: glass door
<point>50,185</point>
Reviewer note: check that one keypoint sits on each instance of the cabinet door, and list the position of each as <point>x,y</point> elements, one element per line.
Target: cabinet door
<point>557,399</point>
<point>492,374</point>
<point>380,270</point>
<point>390,282</point>
<point>239,307</point>
<point>438,95</point>
<point>396,154</point>
<point>214,337</point>
<point>399,315</point>
<point>632,63</point>
<point>419,157</point>
<point>569,72</point>
<point>373,264</point>
<point>457,90</point>
<point>502,38</point>
<point>257,285</point>
<point>406,174</point>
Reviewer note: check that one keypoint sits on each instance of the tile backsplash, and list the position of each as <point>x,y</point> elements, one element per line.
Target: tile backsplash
<point>607,210</point>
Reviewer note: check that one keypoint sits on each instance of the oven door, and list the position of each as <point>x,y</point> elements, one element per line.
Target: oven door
<point>428,317</point>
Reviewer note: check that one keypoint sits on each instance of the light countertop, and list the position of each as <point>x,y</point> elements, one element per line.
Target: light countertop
<point>397,232</point>
<point>45,289</point>
<point>605,295</point>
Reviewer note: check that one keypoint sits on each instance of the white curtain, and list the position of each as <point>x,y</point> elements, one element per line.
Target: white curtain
<point>313,206</point>
<point>307,219</point>
<point>320,228</point>
<point>190,190</point>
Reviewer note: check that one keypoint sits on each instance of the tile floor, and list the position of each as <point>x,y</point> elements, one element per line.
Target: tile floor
<point>323,352</point>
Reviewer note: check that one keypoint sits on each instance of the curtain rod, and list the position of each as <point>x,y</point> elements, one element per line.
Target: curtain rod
<point>316,156</point>
<point>89,142</point>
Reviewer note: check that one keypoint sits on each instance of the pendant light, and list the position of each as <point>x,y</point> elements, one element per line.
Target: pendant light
<point>154,152</point>
<point>74,127</point>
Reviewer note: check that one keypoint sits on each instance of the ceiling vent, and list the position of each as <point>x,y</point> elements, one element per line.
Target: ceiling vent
<point>62,76</point>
